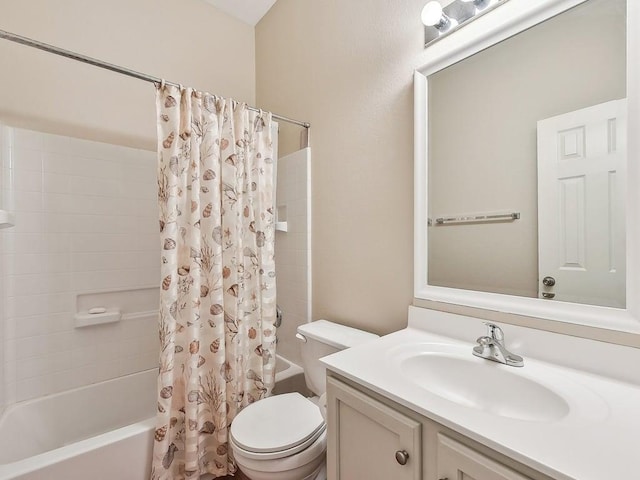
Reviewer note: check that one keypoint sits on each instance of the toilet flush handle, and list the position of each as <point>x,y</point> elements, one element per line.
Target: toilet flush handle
<point>301,337</point>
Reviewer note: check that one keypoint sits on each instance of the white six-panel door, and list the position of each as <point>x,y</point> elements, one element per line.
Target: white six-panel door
<point>581,205</point>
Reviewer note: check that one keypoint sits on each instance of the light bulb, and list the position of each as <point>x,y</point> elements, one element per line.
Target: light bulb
<point>432,13</point>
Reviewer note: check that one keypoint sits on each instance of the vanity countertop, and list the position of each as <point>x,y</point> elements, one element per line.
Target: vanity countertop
<point>596,440</point>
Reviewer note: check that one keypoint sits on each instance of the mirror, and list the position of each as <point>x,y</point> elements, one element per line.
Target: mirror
<point>524,190</point>
<point>497,102</point>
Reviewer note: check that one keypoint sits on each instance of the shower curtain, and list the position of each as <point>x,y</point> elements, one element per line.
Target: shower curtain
<point>217,295</point>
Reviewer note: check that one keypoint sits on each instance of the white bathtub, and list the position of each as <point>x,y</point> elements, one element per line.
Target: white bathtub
<point>286,369</point>
<point>100,432</point>
<point>289,378</point>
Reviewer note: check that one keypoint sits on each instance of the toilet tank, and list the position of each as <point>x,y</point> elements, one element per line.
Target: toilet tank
<point>321,338</point>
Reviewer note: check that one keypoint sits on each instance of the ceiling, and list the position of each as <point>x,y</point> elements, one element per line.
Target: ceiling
<point>248,11</point>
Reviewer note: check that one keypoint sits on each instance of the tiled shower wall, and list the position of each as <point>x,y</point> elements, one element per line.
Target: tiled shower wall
<point>293,249</point>
<point>2,348</point>
<point>85,235</point>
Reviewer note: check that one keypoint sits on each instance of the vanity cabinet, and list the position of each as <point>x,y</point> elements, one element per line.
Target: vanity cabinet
<point>367,431</point>
<point>457,461</point>
<point>369,440</point>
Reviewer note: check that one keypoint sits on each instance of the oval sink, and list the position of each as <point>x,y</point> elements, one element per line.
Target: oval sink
<point>484,385</point>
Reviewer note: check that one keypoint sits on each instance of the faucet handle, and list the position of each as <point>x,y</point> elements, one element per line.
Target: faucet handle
<point>494,331</point>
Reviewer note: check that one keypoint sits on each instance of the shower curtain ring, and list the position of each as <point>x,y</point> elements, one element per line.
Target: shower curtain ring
<point>162,84</point>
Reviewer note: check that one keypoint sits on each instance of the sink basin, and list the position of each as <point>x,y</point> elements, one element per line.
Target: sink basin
<point>453,373</point>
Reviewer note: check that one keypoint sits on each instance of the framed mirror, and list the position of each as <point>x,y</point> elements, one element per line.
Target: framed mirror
<point>526,164</point>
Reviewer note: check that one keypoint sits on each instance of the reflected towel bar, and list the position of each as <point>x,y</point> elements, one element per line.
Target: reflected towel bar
<point>476,218</point>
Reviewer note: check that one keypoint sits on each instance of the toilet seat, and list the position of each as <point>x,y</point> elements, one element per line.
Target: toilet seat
<point>277,427</point>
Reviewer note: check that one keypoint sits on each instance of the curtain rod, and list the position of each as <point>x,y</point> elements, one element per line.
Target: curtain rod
<point>12,37</point>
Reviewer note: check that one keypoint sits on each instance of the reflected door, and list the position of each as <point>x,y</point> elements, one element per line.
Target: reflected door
<point>581,205</point>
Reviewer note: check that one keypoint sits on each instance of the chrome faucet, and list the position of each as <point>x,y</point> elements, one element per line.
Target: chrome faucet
<point>491,346</point>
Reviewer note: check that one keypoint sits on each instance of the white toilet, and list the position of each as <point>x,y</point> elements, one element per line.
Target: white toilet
<point>284,437</point>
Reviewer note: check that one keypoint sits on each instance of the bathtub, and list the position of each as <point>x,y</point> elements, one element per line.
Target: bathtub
<point>289,378</point>
<point>286,369</point>
<point>99,432</point>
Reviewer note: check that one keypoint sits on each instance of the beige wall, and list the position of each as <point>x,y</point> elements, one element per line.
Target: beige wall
<point>185,41</point>
<point>492,102</point>
<point>347,67</point>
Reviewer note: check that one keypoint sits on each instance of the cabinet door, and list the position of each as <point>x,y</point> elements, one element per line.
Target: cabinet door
<point>365,435</point>
<point>458,462</point>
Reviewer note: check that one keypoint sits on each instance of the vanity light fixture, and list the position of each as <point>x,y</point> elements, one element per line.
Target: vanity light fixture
<point>480,4</point>
<point>434,16</point>
<point>440,22</point>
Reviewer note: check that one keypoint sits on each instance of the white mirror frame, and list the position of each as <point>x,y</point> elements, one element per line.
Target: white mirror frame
<point>510,19</point>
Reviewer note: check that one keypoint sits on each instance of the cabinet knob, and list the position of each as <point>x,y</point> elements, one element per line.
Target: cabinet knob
<point>402,457</point>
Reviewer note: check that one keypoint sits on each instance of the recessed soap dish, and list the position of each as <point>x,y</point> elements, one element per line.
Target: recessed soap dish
<point>281,218</point>
<point>6,219</point>
<point>87,319</point>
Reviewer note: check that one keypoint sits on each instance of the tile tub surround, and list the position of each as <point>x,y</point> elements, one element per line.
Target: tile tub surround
<point>587,444</point>
<point>2,346</point>
<point>293,249</point>
<point>86,223</point>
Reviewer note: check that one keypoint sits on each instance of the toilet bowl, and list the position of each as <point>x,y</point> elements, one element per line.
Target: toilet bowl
<point>279,438</point>
<point>284,437</point>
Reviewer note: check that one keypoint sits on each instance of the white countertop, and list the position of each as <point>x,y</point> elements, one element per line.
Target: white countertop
<point>597,440</point>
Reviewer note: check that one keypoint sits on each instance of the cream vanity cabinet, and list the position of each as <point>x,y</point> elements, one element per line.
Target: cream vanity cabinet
<point>372,438</point>
<point>368,439</point>
<point>457,461</point>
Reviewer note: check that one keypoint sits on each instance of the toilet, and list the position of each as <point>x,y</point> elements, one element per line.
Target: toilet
<point>284,437</point>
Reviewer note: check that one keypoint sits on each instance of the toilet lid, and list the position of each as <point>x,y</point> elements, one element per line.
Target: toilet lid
<point>283,422</point>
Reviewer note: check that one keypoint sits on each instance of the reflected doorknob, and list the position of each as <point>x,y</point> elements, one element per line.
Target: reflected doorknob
<point>548,281</point>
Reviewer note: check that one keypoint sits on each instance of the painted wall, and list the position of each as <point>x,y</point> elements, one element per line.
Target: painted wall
<point>190,42</point>
<point>492,101</point>
<point>347,68</point>
<point>187,41</point>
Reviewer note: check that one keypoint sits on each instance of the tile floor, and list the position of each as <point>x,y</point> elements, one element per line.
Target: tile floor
<point>239,476</point>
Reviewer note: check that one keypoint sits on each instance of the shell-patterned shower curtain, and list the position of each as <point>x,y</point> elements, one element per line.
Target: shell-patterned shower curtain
<point>217,296</point>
